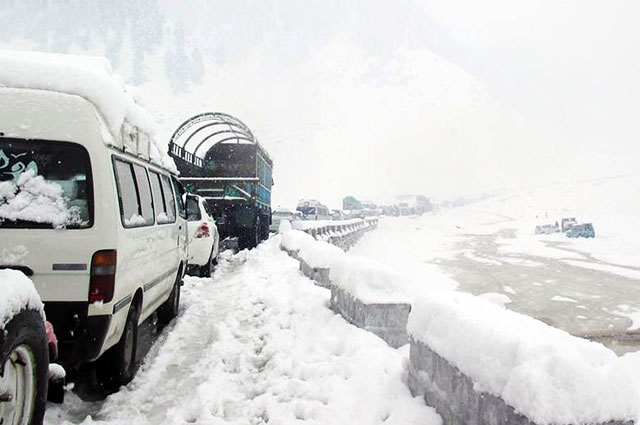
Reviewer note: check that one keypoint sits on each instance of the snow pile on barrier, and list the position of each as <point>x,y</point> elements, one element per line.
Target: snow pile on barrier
<point>316,224</point>
<point>368,281</point>
<point>317,254</point>
<point>90,77</point>
<point>18,293</point>
<point>542,372</point>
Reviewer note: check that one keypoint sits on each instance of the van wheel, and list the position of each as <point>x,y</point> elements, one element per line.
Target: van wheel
<point>24,362</point>
<point>117,366</point>
<point>170,308</point>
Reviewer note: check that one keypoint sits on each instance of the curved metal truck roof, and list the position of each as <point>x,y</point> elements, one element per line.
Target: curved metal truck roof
<point>197,135</point>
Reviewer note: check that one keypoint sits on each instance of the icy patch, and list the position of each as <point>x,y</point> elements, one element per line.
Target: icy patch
<point>563,299</point>
<point>471,256</point>
<point>529,245</point>
<point>620,271</point>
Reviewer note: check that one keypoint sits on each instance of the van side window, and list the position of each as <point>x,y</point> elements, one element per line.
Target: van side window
<point>193,209</point>
<point>169,198</point>
<point>144,193</point>
<point>128,197</point>
<point>158,199</point>
<point>179,195</point>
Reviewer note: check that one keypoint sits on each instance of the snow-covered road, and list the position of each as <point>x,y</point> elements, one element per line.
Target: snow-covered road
<point>258,343</point>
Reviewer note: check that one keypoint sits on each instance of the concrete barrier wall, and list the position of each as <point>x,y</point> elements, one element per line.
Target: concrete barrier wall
<point>452,393</point>
<point>388,321</point>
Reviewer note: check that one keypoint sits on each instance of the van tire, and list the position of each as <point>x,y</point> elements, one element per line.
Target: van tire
<point>170,308</point>
<point>117,366</point>
<point>25,335</point>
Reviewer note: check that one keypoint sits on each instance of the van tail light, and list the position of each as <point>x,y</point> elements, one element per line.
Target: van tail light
<point>202,231</point>
<point>103,276</point>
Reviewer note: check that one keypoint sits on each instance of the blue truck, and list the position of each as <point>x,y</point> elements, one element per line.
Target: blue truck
<point>219,159</point>
<point>581,231</point>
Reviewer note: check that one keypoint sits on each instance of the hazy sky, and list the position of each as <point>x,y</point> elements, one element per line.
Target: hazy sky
<point>376,98</point>
<point>379,97</point>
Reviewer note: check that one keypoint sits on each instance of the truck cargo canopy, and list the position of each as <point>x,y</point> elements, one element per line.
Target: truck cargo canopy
<point>195,138</point>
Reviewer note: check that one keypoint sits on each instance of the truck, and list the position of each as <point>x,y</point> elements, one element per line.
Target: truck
<point>219,159</point>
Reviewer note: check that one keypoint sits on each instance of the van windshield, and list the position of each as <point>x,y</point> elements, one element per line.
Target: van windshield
<point>44,184</point>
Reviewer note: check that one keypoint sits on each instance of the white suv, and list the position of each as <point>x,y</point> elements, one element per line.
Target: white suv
<point>90,207</point>
<point>204,240</point>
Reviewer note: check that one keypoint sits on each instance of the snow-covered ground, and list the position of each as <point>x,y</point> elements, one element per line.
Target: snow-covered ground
<point>489,248</point>
<point>258,343</point>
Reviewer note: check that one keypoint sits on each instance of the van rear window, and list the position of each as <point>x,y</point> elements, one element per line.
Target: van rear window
<point>45,184</point>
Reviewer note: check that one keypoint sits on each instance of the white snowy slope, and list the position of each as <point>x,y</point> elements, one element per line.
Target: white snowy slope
<point>258,343</point>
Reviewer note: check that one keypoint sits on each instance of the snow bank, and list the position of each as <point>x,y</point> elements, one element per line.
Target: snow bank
<point>544,373</point>
<point>365,279</point>
<point>32,198</point>
<point>90,77</point>
<point>317,254</point>
<point>18,293</point>
<point>368,281</point>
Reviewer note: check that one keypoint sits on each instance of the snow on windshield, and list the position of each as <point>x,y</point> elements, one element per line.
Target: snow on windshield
<point>33,199</point>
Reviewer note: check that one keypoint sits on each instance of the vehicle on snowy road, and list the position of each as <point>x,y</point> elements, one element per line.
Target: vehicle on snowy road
<point>313,210</point>
<point>584,230</point>
<point>92,209</point>
<point>567,223</point>
<point>221,160</point>
<point>204,240</point>
<point>546,229</point>
<point>283,214</point>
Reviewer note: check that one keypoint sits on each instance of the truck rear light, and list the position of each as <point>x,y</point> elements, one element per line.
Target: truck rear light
<point>103,276</point>
<point>202,231</point>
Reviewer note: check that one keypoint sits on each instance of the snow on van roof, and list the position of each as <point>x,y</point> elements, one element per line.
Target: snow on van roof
<point>92,78</point>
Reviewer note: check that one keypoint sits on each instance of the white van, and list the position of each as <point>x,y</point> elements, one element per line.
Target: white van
<point>91,209</point>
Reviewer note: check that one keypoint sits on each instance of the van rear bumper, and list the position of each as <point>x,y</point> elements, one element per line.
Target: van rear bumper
<point>80,337</point>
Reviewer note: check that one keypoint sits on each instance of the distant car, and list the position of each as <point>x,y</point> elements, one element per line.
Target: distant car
<point>568,223</point>
<point>546,229</point>
<point>313,210</point>
<point>338,215</point>
<point>24,356</point>
<point>283,214</point>
<point>204,240</point>
<point>581,231</point>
